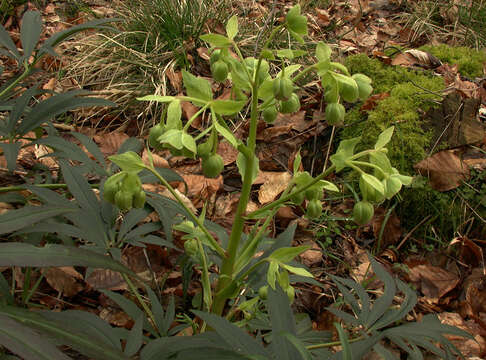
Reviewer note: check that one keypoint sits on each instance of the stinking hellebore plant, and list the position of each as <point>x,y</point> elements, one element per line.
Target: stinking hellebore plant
<point>252,84</point>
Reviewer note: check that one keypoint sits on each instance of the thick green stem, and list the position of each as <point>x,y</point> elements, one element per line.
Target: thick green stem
<point>227,267</point>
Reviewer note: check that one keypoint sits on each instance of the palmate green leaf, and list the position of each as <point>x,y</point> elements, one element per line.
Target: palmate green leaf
<point>64,333</point>
<point>373,182</point>
<point>11,151</point>
<point>56,105</point>
<point>344,152</point>
<point>189,143</point>
<point>197,87</point>
<point>323,52</point>
<point>295,21</point>
<point>297,270</point>
<point>232,27</point>
<point>216,40</point>
<point>30,31</point>
<point>157,98</point>
<point>227,107</point>
<point>237,338</point>
<point>384,138</point>
<point>26,255</point>
<point>27,343</point>
<point>129,161</point>
<point>287,254</point>
<point>14,220</point>
<point>172,137</point>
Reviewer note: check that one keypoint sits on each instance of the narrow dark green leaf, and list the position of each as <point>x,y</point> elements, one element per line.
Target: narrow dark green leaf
<point>158,311</point>
<point>83,322</point>
<point>11,151</point>
<point>237,338</point>
<point>56,105</point>
<point>5,294</point>
<point>130,308</point>
<point>282,320</point>
<point>132,218</point>
<point>343,338</point>
<point>384,353</point>
<point>134,340</point>
<point>20,254</point>
<point>20,107</point>
<point>80,188</point>
<point>298,345</point>
<point>30,31</point>
<point>14,220</point>
<point>383,303</point>
<point>64,333</point>
<point>25,342</point>
<point>91,146</point>
<point>6,41</point>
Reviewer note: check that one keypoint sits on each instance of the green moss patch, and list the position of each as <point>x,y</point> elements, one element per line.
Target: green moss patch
<point>470,62</point>
<point>403,109</point>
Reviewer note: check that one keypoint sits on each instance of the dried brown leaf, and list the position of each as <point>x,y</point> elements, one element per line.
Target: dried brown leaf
<point>65,280</point>
<point>433,281</point>
<point>445,170</point>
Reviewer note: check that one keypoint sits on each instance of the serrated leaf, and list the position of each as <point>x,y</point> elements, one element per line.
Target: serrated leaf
<point>27,343</point>
<point>298,345</point>
<point>157,98</point>
<point>197,88</point>
<point>384,138</point>
<point>287,254</point>
<point>129,161</point>
<point>373,182</point>
<point>232,27</point>
<point>91,147</point>
<point>80,188</point>
<point>30,31</point>
<point>21,254</point>
<point>323,52</point>
<point>227,107</point>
